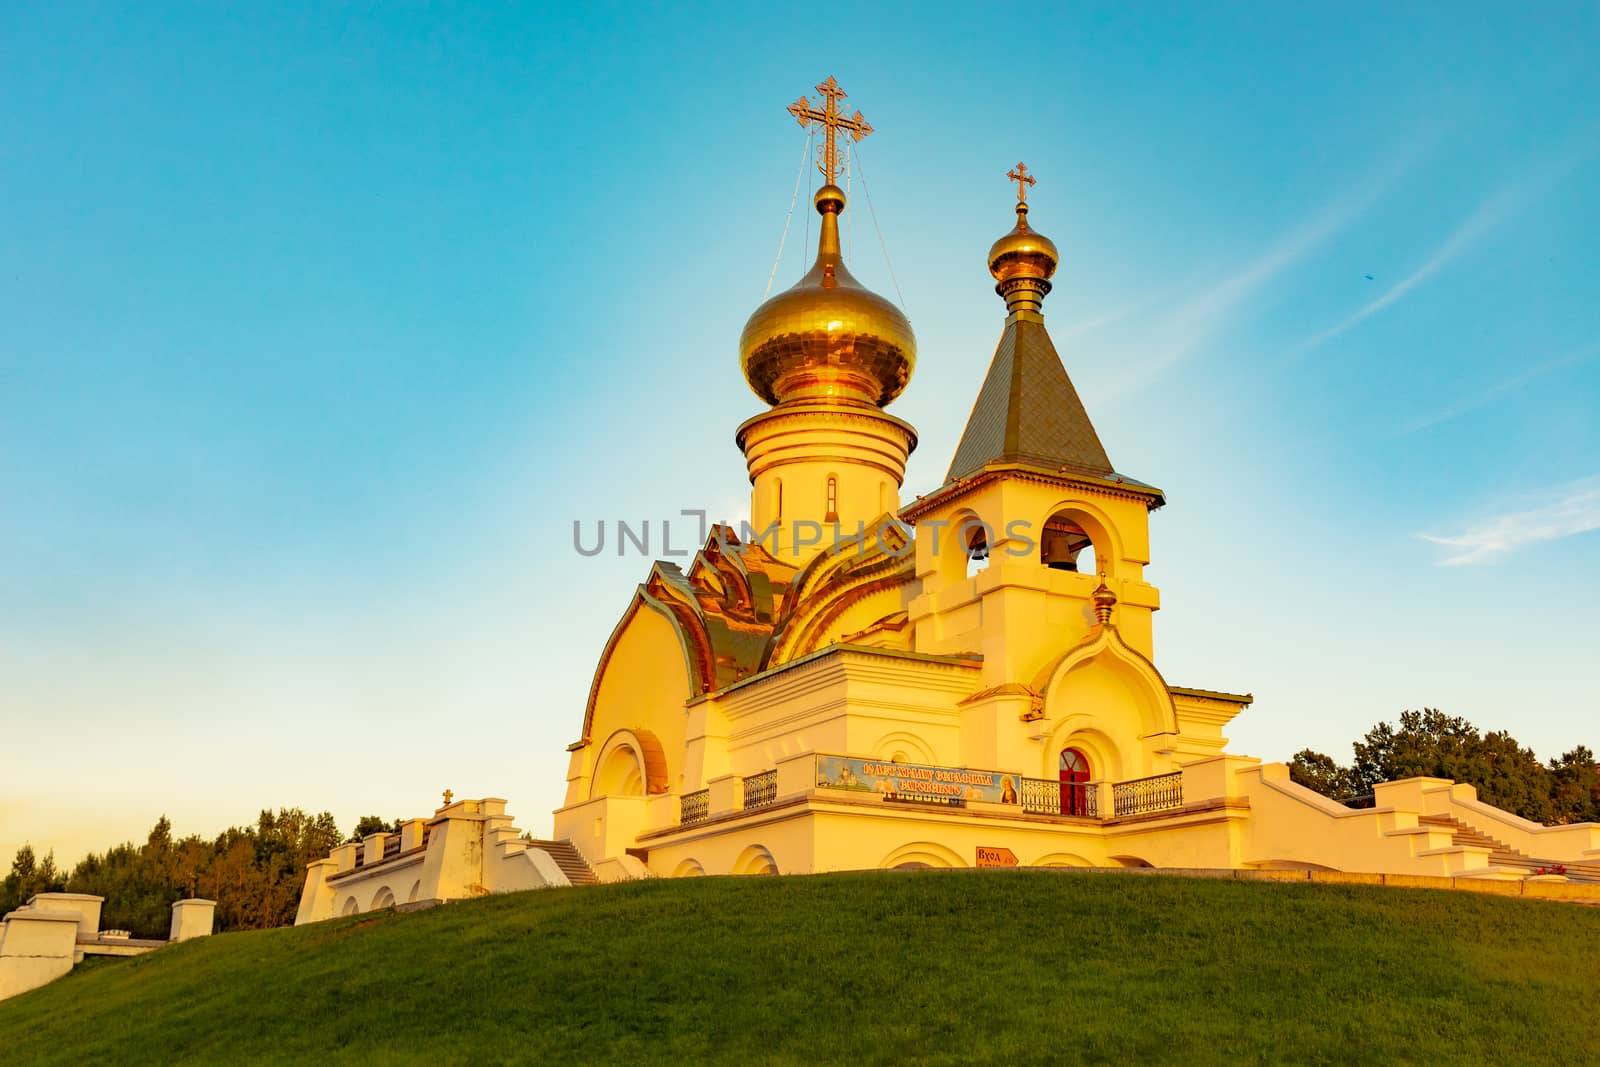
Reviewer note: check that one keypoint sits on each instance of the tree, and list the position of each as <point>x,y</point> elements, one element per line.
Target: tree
<point>1575,778</point>
<point>29,876</point>
<point>254,873</point>
<point>373,824</point>
<point>1429,743</point>
<point>1323,774</point>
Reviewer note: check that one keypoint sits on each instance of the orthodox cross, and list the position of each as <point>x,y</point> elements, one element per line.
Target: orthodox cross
<point>1020,175</point>
<point>832,120</point>
<point>447,796</point>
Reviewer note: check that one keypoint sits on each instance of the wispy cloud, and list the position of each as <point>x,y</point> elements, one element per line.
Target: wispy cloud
<point>1565,510</point>
<point>1192,323</point>
<point>1493,392</point>
<point>1495,209</point>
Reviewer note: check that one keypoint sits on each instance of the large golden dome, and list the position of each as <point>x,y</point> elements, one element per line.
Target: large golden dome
<point>828,337</point>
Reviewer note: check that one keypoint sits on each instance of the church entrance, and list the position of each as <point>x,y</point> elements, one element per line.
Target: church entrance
<point>1074,782</point>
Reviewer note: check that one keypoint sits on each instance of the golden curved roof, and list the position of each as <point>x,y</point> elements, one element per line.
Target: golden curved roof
<point>828,336</point>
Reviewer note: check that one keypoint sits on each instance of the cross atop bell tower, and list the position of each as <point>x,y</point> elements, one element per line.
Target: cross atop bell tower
<point>832,120</point>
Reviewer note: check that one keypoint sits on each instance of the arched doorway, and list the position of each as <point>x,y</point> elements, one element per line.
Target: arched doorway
<point>1074,782</point>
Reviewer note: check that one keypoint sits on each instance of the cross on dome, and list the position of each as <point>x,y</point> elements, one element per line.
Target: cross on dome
<point>832,120</point>
<point>1020,175</point>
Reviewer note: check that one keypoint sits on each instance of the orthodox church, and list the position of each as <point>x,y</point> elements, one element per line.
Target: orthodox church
<point>855,680</point>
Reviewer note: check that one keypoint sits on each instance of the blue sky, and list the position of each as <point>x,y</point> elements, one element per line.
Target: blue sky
<point>319,328</point>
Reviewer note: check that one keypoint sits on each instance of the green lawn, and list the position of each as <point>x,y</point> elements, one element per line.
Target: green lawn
<point>871,968</point>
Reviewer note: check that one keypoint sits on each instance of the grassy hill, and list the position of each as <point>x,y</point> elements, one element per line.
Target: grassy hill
<point>874,968</point>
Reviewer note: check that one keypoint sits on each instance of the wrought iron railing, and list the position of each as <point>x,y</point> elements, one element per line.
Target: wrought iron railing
<point>1157,793</point>
<point>760,789</point>
<point>1085,799</point>
<point>1051,796</point>
<point>694,807</point>
<point>391,846</point>
<point>1040,796</point>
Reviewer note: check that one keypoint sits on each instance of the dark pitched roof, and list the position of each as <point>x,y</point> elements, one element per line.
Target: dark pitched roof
<point>1028,411</point>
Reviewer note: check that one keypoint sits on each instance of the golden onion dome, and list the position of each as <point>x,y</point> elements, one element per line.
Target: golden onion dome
<point>1022,262</point>
<point>828,337</point>
<point>1023,251</point>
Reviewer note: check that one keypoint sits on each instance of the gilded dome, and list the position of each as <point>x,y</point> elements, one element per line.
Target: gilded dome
<point>828,337</point>
<point>1023,252</point>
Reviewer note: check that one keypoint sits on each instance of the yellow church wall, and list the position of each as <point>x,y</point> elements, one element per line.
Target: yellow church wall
<point>606,827</point>
<point>786,843</point>
<point>818,838</point>
<point>894,835</point>
<point>643,686</point>
<point>1235,813</point>
<point>846,700</point>
<point>706,747</point>
<point>1111,704</point>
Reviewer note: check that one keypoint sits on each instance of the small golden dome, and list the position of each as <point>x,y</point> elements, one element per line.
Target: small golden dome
<point>1022,261</point>
<point>828,337</point>
<point>1104,600</point>
<point>1023,252</point>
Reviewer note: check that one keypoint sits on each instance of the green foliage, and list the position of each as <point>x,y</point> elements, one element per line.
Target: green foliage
<point>373,824</point>
<point>29,875</point>
<point>1576,780</point>
<point>883,968</point>
<point>1322,773</point>
<point>1432,744</point>
<point>254,873</point>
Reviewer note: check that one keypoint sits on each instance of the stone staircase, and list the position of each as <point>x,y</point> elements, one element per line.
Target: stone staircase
<point>569,859</point>
<point>1503,855</point>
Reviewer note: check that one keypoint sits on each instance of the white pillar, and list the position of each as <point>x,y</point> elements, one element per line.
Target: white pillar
<point>192,918</point>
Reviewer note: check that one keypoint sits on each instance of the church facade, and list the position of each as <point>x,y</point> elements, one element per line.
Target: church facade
<point>968,677</point>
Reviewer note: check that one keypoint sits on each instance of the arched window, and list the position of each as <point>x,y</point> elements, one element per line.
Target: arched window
<point>1074,782</point>
<point>831,514</point>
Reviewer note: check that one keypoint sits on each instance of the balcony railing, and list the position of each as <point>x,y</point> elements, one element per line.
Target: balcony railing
<point>1045,796</point>
<point>694,807</point>
<point>1157,793</point>
<point>760,789</point>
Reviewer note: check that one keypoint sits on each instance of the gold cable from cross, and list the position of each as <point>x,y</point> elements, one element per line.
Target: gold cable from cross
<point>832,120</point>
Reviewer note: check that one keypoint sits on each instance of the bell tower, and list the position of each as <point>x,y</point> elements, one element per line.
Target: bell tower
<point>1004,547</point>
